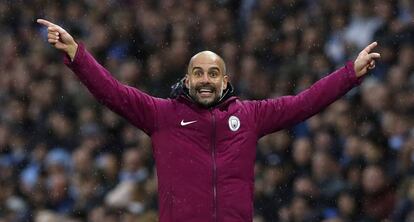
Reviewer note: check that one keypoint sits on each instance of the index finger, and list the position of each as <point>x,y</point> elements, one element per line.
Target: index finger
<point>45,23</point>
<point>370,47</point>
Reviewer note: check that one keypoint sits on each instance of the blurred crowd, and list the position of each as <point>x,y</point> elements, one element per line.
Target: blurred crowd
<point>65,157</point>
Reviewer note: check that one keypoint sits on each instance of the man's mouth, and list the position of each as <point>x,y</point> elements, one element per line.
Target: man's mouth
<point>205,91</point>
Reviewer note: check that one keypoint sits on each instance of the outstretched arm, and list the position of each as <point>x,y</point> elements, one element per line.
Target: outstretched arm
<point>275,114</point>
<point>137,107</point>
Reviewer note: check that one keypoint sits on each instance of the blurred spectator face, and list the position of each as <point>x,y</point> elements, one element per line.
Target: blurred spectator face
<point>97,215</point>
<point>58,187</point>
<point>154,67</point>
<point>375,95</point>
<point>305,186</point>
<point>346,204</point>
<point>373,179</point>
<point>395,124</point>
<point>273,176</point>
<point>360,8</point>
<point>371,152</point>
<point>87,115</point>
<point>278,141</point>
<point>352,149</point>
<point>209,33</point>
<point>132,160</point>
<point>248,67</point>
<point>257,35</point>
<point>177,54</point>
<point>319,63</point>
<point>21,78</point>
<point>405,57</point>
<point>152,25</point>
<point>43,93</point>
<point>108,163</point>
<point>16,111</point>
<point>299,208</point>
<point>384,9</point>
<point>323,140</point>
<point>302,151</point>
<point>130,135</point>
<point>92,136</point>
<point>229,51</point>
<point>202,9</point>
<point>353,175</point>
<point>338,21</point>
<point>81,159</point>
<point>130,73</point>
<point>60,125</point>
<point>88,187</point>
<point>397,77</point>
<point>322,166</point>
<point>312,40</point>
<point>98,38</point>
<point>289,26</point>
<point>206,78</point>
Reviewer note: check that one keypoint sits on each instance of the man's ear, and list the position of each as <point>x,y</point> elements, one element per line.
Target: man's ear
<point>187,81</point>
<point>225,81</point>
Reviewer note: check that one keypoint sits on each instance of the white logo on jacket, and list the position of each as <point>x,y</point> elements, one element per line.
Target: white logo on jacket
<point>187,123</point>
<point>234,123</point>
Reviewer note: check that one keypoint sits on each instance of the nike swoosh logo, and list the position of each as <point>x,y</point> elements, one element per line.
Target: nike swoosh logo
<point>187,123</point>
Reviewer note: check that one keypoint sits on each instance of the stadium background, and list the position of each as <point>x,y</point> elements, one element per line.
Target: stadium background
<point>64,157</point>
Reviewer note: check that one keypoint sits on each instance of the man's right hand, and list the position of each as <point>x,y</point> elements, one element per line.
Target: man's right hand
<point>60,38</point>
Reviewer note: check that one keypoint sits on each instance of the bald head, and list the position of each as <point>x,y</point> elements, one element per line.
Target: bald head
<point>207,57</point>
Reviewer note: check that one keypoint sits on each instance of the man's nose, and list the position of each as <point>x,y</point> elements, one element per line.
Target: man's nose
<point>205,77</point>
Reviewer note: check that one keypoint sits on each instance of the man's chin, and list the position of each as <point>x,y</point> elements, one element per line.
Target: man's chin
<point>206,102</point>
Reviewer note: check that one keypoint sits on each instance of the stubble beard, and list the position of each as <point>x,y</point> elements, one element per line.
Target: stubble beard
<point>206,102</point>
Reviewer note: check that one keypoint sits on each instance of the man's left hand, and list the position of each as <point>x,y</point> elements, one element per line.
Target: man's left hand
<point>366,60</point>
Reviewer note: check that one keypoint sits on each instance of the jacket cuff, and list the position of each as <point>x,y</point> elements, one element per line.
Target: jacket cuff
<point>352,75</point>
<point>78,55</point>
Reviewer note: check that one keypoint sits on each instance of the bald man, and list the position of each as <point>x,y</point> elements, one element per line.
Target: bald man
<point>204,138</point>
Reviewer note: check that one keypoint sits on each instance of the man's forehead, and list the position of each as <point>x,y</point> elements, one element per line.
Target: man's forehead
<point>206,58</point>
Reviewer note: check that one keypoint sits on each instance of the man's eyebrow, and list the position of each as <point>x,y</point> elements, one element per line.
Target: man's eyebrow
<point>212,68</point>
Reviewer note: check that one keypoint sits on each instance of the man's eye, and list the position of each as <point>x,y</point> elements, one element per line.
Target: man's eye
<point>198,73</point>
<point>213,74</point>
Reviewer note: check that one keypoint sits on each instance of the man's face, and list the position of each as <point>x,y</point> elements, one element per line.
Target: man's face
<point>206,79</point>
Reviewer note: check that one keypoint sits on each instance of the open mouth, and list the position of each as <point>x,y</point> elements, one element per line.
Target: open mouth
<point>205,91</point>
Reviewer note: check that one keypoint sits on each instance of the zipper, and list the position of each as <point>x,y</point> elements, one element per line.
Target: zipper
<point>213,156</point>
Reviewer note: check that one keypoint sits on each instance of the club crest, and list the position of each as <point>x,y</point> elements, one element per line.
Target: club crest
<point>234,123</point>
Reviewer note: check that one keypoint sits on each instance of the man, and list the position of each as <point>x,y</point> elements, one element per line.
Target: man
<point>204,138</point>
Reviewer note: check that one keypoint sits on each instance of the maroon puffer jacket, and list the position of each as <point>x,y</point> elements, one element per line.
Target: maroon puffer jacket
<point>205,157</point>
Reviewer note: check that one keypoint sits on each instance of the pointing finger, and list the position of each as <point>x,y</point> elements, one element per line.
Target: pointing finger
<point>370,47</point>
<point>45,23</point>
